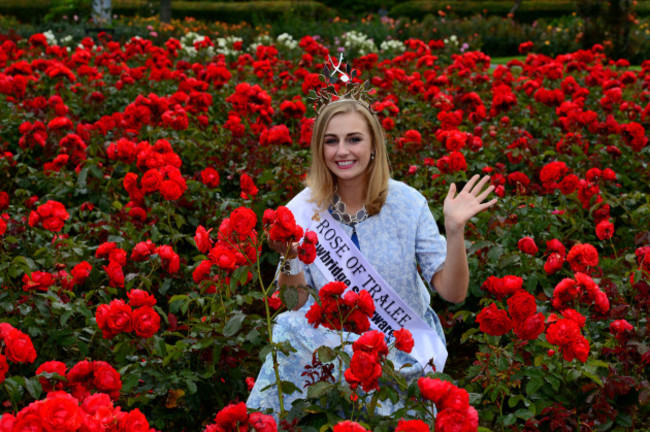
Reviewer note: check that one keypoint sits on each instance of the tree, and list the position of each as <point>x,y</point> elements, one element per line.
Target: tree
<point>165,11</point>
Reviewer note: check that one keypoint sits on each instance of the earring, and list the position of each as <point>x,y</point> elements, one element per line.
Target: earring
<point>372,155</point>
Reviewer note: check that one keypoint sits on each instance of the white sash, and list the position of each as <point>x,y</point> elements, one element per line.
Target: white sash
<point>339,259</point>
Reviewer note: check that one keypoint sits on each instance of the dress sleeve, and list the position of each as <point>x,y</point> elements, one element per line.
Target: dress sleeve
<point>430,245</point>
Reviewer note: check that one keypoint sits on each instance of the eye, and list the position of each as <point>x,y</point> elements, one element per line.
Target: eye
<point>355,139</point>
<point>330,141</point>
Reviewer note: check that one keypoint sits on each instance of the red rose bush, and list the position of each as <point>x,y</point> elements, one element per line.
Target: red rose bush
<point>143,177</point>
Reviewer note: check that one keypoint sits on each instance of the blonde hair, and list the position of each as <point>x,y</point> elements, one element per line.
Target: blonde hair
<point>322,181</point>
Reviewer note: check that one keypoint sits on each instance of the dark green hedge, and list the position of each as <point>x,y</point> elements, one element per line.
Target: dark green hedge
<point>233,12</point>
<point>528,11</point>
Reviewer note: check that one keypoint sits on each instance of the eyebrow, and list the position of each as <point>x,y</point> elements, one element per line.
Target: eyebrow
<point>351,133</point>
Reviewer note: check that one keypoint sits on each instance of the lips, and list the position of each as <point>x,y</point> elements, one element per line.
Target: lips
<point>345,164</point>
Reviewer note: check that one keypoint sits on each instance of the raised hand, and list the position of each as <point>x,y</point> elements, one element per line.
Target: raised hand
<point>458,209</point>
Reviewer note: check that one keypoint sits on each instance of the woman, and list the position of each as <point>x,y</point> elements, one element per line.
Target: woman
<point>389,222</point>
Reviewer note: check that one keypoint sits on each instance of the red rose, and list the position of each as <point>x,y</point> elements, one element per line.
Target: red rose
<point>38,280</point>
<point>171,190</point>
<point>554,245</point>
<point>502,287</point>
<point>262,422</point>
<point>531,327</point>
<point>142,250</point>
<point>365,367</point>
<point>52,366</point>
<point>366,304</point>
<point>138,297</point>
<point>210,177</point>
<point>4,200</point>
<point>146,321</point>
<point>4,367</point>
<point>527,245</point>
<point>19,347</point>
<point>104,249</point>
<point>403,340</point>
<point>578,349</point>
<point>202,271</point>
<point>553,171</point>
<point>434,389</point>
<point>604,230</point>
<point>151,181</point>
<point>114,318</point>
<point>118,255</point>
<point>268,217</point>
<point>412,426</point>
<point>311,237</point>
<point>248,188</point>
<point>582,256</point>
<point>349,426</point>
<point>621,329</point>
<point>169,260</point>
<point>115,274</point>
<point>3,226</point>
<point>243,221</point>
<point>202,239</point>
<point>553,263</point>
<point>130,182</point>
<point>223,256</point>
<point>521,305</point>
<point>451,420</point>
<point>134,421</point>
<point>307,252</point>
<point>51,215</point>
<point>81,372</point>
<point>60,412</point>
<point>562,332</point>
<point>372,342</point>
<point>233,417</point>
<point>80,272</point>
<point>107,379</point>
<point>250,383</point>
<point>494,321</point>
<point>456,399</point>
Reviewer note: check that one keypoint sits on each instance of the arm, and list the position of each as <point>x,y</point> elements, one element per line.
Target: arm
<point>452,281</point>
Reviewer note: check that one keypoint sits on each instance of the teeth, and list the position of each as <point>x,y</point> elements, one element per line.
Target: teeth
<point>346,163</point>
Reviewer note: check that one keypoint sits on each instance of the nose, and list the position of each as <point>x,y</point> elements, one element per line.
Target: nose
<point>342,149</point>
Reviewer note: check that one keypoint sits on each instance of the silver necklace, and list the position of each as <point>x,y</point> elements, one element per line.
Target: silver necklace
<point>338,211</point>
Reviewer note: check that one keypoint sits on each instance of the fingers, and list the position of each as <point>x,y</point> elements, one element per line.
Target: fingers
<point>480,185</point>
<point>488,204</point>
<point>470,184</point>
<point>485,193</point>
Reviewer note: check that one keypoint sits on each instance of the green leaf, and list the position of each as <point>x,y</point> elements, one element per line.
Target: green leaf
<point>264,352</point>
<point>289,296</point>
<point>289,388</point>
<point>129,382</point>
<point>34,388</point>
<point>234,324</point>
<point>81,178</point>
<point>533,385</point>
<point>326,354</point>
<point>319,389</point>
<point>191,386</point>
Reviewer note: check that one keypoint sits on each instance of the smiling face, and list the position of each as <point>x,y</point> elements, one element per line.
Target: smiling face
<point>347,146</point>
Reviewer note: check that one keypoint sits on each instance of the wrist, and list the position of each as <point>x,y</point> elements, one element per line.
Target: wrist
<point>291,267</point>
<point>455,229</point>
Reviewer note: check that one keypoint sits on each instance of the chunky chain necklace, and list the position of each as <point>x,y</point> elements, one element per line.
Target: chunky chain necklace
<point>338,211</point>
